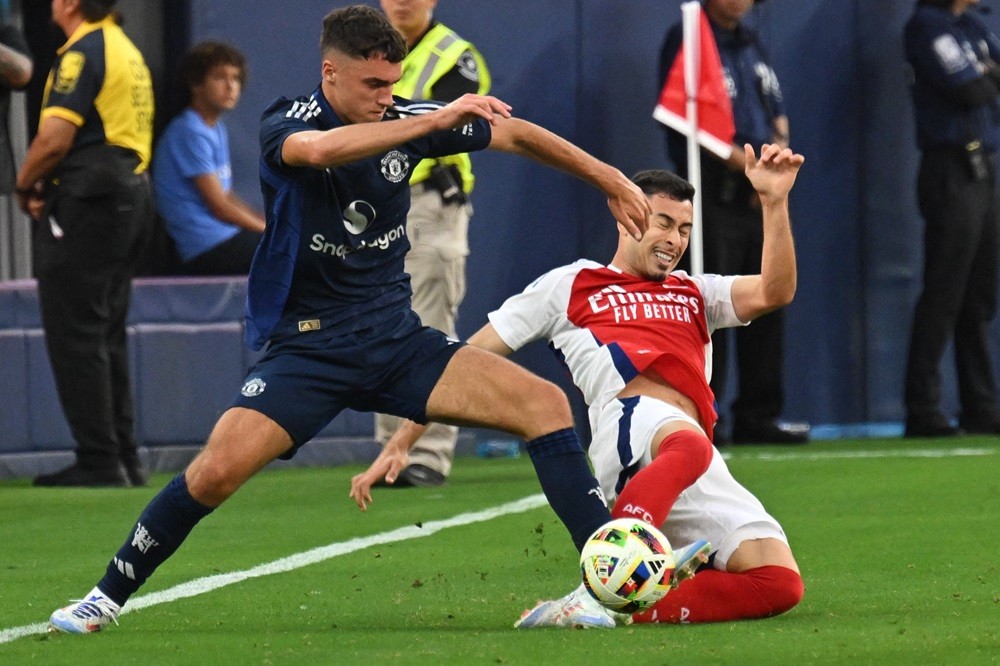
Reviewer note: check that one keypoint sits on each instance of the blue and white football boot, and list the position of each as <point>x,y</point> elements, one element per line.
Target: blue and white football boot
<point>86,615</point>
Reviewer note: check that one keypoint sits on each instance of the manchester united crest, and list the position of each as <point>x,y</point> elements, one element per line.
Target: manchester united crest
<point>395,166</point>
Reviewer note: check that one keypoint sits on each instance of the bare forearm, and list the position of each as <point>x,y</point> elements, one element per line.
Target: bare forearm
<point>736,160</point>
<point>407,434</point>
<point>778,270</point>
<point>15,68</point>
<point>238,212</point>
<point>539,144</point>
<point>781,131</point>
<point>351,143</point>
<point>43,156</point>
<point>488,339</point>
<point>627,202</point>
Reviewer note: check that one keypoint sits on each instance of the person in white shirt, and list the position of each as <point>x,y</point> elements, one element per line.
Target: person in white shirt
<point>636,337</point>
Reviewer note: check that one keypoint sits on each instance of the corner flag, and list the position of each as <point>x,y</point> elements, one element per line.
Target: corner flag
<point>695,103</point>
<point>697,74</point>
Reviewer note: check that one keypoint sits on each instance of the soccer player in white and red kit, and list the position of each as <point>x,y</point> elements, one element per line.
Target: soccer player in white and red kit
<point>636,337</point>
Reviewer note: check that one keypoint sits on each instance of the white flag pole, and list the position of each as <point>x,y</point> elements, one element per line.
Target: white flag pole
<point>691,16</point>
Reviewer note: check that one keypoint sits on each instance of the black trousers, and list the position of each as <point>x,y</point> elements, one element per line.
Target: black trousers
<point>230,257</point>
<point>84,285</point>
<point>733,239</point>
<point>959,297</point>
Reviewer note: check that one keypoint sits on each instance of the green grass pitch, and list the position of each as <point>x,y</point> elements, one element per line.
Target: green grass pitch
<point>897,541</point>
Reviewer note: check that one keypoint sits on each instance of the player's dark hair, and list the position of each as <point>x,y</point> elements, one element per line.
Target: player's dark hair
<point>96,10</point>
<point>360,31</point>
<point>936,3</point>
<point>661,181</point>
<point>204,56</point>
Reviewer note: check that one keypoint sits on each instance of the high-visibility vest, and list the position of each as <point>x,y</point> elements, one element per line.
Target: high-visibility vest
<point>433,57</point>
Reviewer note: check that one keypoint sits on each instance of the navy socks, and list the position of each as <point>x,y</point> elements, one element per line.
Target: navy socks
<point>568,484</point>
<point>161,529</point>
<point>559,461</point>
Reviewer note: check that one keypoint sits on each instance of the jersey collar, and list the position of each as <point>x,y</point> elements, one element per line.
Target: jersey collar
<point>84,29</point>
<point>328,119</point>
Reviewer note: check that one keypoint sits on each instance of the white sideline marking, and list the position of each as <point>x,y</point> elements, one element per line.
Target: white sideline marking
<point>202,585</point>
<point>893,453</point>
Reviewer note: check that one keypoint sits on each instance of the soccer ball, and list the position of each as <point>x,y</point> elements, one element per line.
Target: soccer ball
<point>627,565</point>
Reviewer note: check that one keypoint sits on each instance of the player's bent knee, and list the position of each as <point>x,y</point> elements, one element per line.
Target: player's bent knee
<point>785,589</point>
<point>546,408</point>
<point>211,483</point>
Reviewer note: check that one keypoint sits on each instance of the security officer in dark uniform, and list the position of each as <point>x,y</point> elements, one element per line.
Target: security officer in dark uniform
<point>84,184</point>
<point>955,88</point>
<point>733,223</point>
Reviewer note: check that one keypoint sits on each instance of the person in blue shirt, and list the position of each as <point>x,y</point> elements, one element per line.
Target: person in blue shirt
<point>956,82</point>
<point>328,296</point>
<point>732,223</point>
<point>214,231</point>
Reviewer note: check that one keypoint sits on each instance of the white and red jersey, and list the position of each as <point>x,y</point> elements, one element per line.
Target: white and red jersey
<point>608,326</point>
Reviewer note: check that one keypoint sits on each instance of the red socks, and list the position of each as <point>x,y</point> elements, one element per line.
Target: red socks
<point>711,596</point>
<point>683,457</point>
<point>719,596</point>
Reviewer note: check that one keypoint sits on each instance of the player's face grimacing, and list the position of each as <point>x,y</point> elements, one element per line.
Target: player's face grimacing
<point>665,240</point>
<point>359,89</point>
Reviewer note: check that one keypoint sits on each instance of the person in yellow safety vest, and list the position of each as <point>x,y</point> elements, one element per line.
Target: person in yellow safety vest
<point>441,66</point>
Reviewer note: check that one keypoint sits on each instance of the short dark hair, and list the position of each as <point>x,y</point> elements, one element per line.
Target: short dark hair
<point>96,10</point>
<point>661,181</point>
<point>206,55</point>
<point>360,31</point>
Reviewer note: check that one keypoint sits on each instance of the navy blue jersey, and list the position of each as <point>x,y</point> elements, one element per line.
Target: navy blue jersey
<point>750,82</point>
<point>947,52</point>
<point>331,259</point>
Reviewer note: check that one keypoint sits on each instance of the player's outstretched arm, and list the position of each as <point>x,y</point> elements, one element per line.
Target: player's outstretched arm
<point>392,460</point>
<point>395,454</point>
<point>772,176</point>
<point>349,143</point>
<point>627,202</point>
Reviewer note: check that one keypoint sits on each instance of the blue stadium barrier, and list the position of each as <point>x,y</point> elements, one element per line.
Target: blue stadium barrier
<point>185,344</point>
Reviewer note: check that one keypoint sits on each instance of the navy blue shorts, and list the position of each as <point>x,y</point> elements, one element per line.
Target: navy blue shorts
<point>302,383</point>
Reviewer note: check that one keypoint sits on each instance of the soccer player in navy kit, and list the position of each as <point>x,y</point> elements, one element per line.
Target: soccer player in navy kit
<point>329,297</point>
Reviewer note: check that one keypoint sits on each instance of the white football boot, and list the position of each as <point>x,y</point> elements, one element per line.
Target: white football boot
<point>577,610</point>
<point>86,615</point>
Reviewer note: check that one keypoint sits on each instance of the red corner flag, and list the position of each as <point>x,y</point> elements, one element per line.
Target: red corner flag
<point>716,128</point>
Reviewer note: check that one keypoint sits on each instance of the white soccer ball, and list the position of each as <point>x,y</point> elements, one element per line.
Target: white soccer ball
<point>627,565</point>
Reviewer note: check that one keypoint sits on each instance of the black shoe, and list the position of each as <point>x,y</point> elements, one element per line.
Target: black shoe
<point>136,472</point>
<point>77,476</point>
<point>420,476</point>
<point>769,432</point>
<point>935,427</point>
<point>982,425</point>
